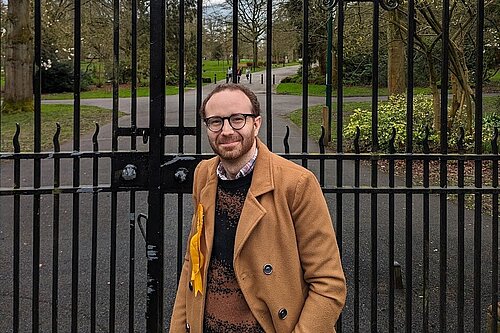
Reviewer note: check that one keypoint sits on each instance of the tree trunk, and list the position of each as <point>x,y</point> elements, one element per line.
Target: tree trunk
<point>436,97</point>
<point>18,96</point>
<point>254,54</point>
<point>335,72</point>
<point>396,56</point>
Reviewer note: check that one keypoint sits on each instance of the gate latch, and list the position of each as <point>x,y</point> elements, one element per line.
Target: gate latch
<point>177,173</point>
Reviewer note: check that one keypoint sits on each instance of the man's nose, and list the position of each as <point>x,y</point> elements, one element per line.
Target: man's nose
<point>226,126</point>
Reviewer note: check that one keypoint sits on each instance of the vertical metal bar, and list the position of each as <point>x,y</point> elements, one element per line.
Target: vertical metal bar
<point>114,147</point>
<point>131,264</point>
<point>93,259</point>
<point>329,29</point>
<point>340,73</point>
<point>269,49</point>
<point>180,258</point>
<point>478,170</point>
<point>181,71</point>
<point>112,263</point>
<point>340,162</point>
<point>35,293</point>
<point>443,172</point>
<point>55,232</point>
<point>374,165</point>
<point>133,147</point>
<point>356,243</point>
<point>425,248</point>
<point>391,245</point>
<point>461,246</point>
<point>235,41</point>
<point>133,106</point>
<point>199,66</point>
<point>305,77</point>
<point>155,225</point>
<point>76,167</point>
<point>17,234</point>
<point>494,237</point>
<point>409,168</point>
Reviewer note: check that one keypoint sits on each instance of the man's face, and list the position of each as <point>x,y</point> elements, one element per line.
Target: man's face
<point>232,145</point>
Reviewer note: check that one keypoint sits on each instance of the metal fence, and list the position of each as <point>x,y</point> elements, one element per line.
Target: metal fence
<point>92,232</point>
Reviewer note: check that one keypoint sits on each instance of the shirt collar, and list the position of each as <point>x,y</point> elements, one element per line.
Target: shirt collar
<point>245,170</point>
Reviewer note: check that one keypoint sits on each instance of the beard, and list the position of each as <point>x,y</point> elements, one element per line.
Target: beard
<point>232,153</point>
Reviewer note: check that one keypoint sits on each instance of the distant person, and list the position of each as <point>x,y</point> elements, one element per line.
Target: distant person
<point>239,74</point>
<point>262,254</point>
<point>247,73</point>
<point>229,74</point>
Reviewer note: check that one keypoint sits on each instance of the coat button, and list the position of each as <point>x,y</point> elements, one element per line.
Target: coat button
<point>282,313</point>
<point>268,269</point>
<point>191,285</point>
<point>188,328</point>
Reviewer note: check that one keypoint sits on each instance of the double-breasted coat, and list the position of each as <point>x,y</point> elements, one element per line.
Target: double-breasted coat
<point>286,258</point>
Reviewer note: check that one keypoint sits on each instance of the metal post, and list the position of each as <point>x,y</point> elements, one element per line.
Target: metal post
<point>155,225</point>
<point>329,75</point>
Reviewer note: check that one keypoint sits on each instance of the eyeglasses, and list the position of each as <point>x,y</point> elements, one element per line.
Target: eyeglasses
<point>236,121</point>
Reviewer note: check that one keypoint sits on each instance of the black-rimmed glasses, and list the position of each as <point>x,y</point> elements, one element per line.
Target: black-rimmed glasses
<point>236,121</point>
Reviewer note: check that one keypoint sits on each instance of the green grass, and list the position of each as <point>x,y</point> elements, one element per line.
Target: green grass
<point>218,68</point>
<point>51,113</point>
<point>315,117</point>
<point>107,92</point>
<point>320,90</point>
<point>496,78</point>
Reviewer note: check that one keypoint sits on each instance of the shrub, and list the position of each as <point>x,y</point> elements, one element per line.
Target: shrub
<point>392,114</point>
<point>58,78</point>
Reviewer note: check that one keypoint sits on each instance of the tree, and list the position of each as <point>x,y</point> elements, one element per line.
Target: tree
<point>428,39</point>
<point>396,78</point>
<point>18,96</point>
<point>252,18</point>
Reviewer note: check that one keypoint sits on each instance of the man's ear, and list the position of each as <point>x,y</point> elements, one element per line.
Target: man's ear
<point>256,125</point>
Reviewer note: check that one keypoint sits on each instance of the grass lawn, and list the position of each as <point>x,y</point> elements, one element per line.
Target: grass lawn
<point>490,105</point>
<point>217,69</point>
<point>316,117</point>
<point>63,114</point>
<point>496,78</point>
<point>107,92</point>
<point>320,90</point>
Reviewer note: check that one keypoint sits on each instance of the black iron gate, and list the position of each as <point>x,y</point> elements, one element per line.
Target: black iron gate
<point>75,220</point>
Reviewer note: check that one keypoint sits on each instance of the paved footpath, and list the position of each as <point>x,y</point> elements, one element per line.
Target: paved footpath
<point>281,107</point>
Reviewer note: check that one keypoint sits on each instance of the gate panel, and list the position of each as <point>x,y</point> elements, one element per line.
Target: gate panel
<point>93,232</point>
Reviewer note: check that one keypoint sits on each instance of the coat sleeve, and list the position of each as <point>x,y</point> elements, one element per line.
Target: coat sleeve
<point>179,312</point>
<point>319,257</point>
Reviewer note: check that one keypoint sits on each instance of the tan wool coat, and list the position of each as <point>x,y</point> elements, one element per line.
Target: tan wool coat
<point>286,258</point>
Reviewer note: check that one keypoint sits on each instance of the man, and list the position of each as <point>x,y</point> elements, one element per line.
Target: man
<point>262,254</point>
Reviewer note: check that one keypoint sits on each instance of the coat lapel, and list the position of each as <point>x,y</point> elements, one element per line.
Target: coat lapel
<point>253,211</point>
<point>207,199</point>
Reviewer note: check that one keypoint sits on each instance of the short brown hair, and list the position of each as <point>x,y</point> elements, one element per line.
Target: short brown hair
<point>232,86</point>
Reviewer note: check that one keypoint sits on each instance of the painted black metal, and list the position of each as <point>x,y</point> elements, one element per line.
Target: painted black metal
<point>35,291</point>
<point>478,167</point>
<point>155,225</point>
<point>443,172</point>
<point>75,244</point>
